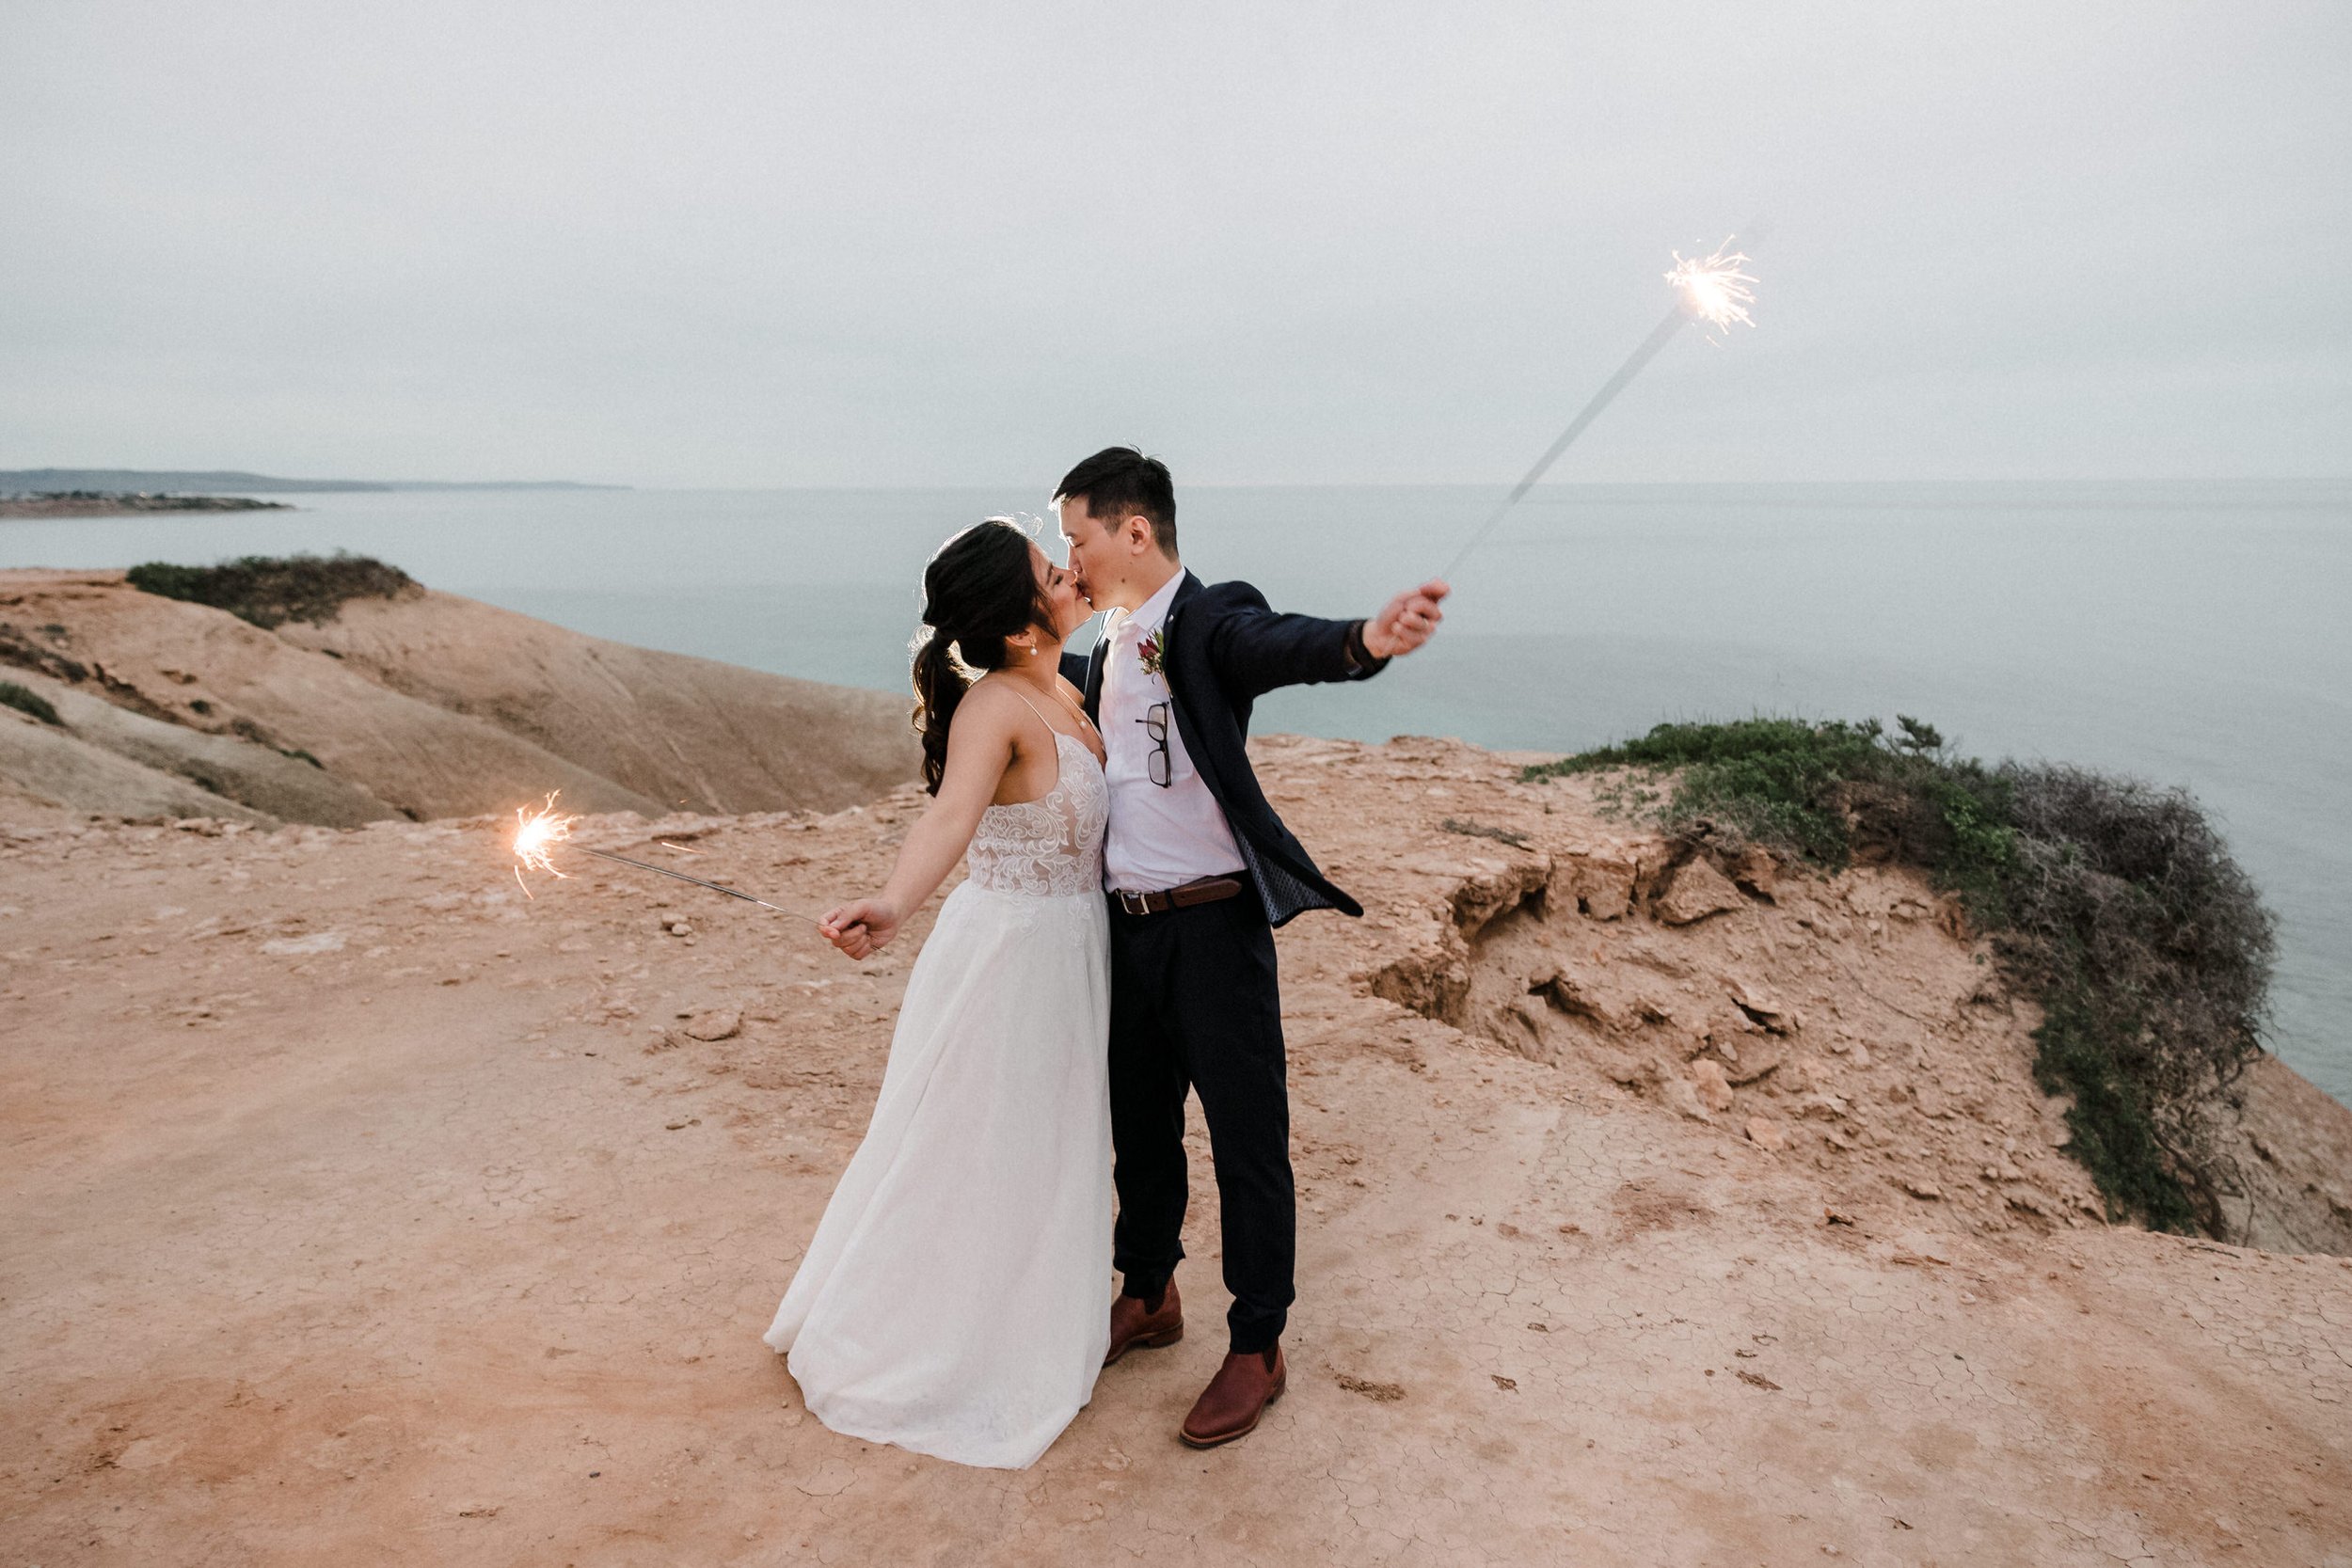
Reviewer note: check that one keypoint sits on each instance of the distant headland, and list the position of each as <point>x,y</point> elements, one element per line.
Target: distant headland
<point>116,504</point>
<point>235,481</point>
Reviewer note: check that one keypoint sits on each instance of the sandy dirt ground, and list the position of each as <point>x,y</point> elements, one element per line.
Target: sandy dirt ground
<point>362,1210</point>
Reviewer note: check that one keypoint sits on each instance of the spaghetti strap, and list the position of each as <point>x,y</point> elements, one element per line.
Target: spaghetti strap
<point>1039,711</point>
<point>1057,739</point>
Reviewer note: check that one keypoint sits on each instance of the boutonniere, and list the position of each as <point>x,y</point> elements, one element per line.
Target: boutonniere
<point>1149,654</point>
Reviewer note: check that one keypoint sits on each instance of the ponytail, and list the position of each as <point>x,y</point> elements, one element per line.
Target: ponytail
<point>940,684</point>
<point>978,590</point>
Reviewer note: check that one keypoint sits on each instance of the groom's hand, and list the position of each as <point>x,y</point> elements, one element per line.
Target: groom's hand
<point>861,927</point>
<point>1406,622</point>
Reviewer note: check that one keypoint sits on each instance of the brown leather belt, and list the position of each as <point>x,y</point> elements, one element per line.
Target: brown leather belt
<point>1207,890</point>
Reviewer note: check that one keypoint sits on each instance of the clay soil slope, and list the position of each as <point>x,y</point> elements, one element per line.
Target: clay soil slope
<point>422,707</point>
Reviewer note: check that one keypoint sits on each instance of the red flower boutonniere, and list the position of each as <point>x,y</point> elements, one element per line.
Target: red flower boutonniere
<point>1149,654</point>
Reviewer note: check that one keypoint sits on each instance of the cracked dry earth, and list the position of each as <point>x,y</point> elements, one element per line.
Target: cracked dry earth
<point>360,1210</point>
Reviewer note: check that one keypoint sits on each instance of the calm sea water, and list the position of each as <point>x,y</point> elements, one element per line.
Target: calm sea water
<point>2190,634</point>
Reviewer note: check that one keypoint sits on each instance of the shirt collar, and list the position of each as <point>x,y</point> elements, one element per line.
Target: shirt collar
<point>1153,614</point>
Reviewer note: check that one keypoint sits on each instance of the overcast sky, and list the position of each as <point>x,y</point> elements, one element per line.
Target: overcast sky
<point>761,244</point>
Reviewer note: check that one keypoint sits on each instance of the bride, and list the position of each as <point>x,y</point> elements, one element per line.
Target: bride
<point>955,1300</point>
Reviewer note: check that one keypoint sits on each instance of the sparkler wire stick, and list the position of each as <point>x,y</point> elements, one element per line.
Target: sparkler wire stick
<point>1714,289</point>
<point>682,876</point>
<point>1660,337</point>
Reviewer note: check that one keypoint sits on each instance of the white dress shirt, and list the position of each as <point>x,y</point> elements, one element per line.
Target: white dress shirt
<point>1158,837</point>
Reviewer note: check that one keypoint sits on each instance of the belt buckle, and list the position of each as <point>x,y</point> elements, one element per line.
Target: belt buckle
<point>1135,903</point>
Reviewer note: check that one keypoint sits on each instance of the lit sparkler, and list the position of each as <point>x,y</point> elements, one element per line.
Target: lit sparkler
<point>1714,290</point>
<point>1711,289</point>
<point>537,834</point>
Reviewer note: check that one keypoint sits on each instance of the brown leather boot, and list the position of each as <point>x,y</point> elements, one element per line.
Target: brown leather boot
<point>1230,1405</point>
<point>1135,1325</point>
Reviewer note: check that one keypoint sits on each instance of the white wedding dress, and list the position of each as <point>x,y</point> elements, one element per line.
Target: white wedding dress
<point>956,1297</point>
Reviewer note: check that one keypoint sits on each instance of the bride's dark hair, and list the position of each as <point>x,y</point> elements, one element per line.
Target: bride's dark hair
<point>977,591</point>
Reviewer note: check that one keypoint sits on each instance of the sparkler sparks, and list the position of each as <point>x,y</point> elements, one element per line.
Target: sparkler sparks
<point>537,834</point>
<point>1714,290</point>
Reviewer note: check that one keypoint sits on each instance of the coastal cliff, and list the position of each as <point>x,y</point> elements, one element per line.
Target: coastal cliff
<point>409,703</point>
<point>1652,1211</point>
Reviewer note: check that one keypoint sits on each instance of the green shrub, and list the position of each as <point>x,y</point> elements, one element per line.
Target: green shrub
<point>270,591</point>
<point>2115,905</point>
<point>25,701</point>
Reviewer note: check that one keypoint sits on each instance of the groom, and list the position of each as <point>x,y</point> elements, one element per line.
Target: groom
<point>1199,870</point>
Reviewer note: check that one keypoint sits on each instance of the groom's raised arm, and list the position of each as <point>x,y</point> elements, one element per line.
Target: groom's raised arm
<point>1254,648</point>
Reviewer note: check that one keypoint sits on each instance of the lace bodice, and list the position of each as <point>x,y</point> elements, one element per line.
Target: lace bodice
<point>1052,847</point>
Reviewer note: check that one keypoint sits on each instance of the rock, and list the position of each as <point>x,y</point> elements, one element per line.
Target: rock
<point>320,942</point>
<point>1580,998</point>
<point>1765,1134</point>
<point>1931,1101</point>
<point>1758,1060</point>
<point>1622,1068</point>
<point>1762,1006</point>
<point>1680,1093</point>
<point>718,1024</point>
<point>1485,889</point>
<point>1525,1021</point>
<point>146,1453</point>
<point>1917,1246</point>
<point>1599,884</point>
<point>1714,1089</point>
<point>1756,871</point>
<point>1697,891</point>
<point>1920,1188</point>
<point>1433,979</point>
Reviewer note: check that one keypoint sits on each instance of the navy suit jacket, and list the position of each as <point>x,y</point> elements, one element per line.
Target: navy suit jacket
<point>1222,648</point>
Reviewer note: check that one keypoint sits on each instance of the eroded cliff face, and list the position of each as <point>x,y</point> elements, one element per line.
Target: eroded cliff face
<point>428,705</point>
<point>1847,1022</point>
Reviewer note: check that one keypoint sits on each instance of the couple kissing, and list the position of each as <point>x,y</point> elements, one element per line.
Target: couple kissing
<point>1110,952</point>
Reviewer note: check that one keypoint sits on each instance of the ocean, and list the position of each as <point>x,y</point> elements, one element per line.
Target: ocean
<point>2190,634</point>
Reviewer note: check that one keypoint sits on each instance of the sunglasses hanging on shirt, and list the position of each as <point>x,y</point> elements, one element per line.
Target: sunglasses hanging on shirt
<point>1159,766</point>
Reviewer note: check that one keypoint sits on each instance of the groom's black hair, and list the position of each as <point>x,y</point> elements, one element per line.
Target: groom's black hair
<point>1120,482</point>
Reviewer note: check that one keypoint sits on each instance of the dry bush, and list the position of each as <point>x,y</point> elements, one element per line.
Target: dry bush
<point>270,591</point>
<point>2114,904</point>
<point>25,700</point>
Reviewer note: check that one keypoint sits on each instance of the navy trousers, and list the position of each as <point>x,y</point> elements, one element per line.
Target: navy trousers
<point>1195,1007</point>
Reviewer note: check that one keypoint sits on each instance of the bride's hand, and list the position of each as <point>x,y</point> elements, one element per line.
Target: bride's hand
<point>861,927</point>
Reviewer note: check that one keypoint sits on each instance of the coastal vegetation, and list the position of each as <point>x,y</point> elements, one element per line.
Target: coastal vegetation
<point>2113,903</point>
<point>23,700</point>
<point>269,591</point>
